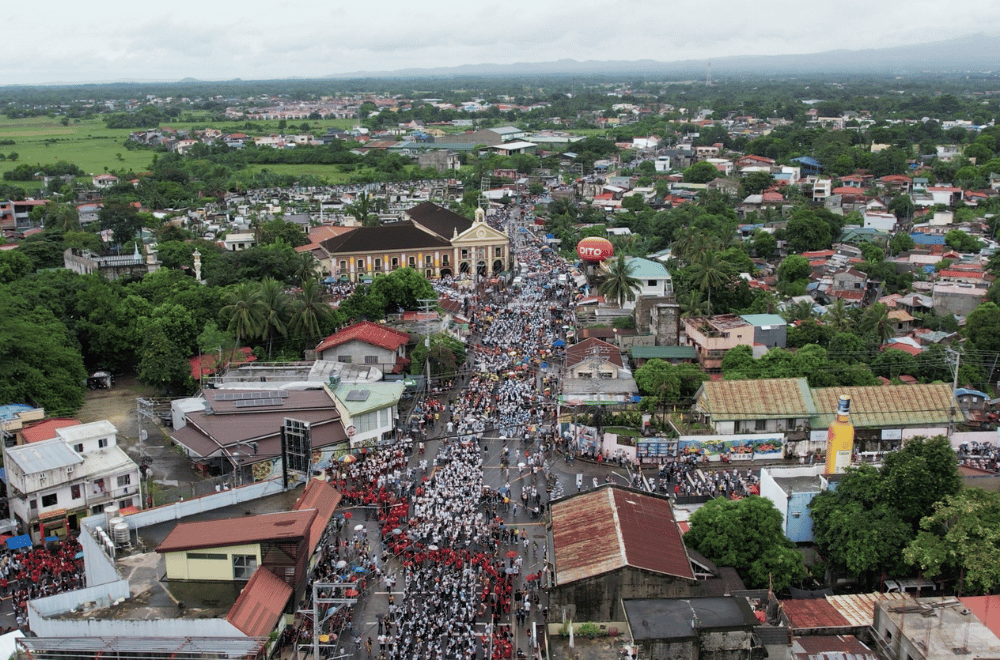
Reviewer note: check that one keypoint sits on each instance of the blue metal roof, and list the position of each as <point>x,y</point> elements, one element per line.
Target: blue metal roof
<point>927,239</point>
<point>11,410</point>
<point>806,160</point>
<point>964,391</point>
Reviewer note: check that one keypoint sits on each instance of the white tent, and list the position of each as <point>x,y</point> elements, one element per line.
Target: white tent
<point>8,644</point>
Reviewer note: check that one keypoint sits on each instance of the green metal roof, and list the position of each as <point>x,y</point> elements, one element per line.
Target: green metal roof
<point>759,320</point>
<point>644,269</point>
<point>663,352</point>
<point>380,395</point>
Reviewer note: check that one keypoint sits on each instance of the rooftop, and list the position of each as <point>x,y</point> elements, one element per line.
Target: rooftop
<point>358,399</point>
<point>46,430</point>
<point>370,333</point>
<point>43,456</point>
<point>238,531</point>
<point>684,618</point>
<point>769,398</point>
<point>260,604</point>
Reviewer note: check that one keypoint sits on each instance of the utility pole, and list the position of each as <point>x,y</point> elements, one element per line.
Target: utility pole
<point>957,357</point>
<point>425,304</point>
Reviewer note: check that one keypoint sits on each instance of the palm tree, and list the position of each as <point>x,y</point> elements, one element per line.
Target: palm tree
<point>244,311</point>
<point>708,274</point>
<point>305,268</point>
<point>838,316</point>
<point>619,284</point>
<point>800,311</point>
<point>309,312</point>
<point>876,321</point>
<point>274,311</point>
<point>693,306</point>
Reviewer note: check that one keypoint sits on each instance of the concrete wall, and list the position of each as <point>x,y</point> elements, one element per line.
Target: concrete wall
<point>98,567</point>
<point>599,598</point>
<point>798,525</point>
<point>44,627</point>
<point>41,608</point>
<point>664,323</point>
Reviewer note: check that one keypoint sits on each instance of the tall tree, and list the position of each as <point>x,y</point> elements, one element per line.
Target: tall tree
<point>274,305</point>
<point>707,274</point>
<point>619,284</point>
<point>244,311</point>
<point>310,313</point>
<point>876,321</point>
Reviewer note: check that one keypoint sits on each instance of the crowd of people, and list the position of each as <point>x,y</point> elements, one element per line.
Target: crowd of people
<point>39,571</point>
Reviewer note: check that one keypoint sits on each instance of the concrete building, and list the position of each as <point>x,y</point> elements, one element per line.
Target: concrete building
<point>769,330</point>
<point>369,411</point>
<point>932,629</point>
<point>713,336</point>
<point>367,343</point>
<point>112,266</point>
<point>713,628</point>
<point>55,483</point>
<point>791,489</point>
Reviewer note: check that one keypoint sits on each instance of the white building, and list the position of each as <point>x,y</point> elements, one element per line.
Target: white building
<point>368,410</point>
<point>57,482</point>
<point>654,279</point>
<point>238,242</point>
<point>880,221</point>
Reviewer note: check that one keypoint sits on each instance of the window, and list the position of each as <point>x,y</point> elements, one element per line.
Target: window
<point>51,499</point>
<point>34,505</point>
<point>124,504</point>
<point>124,480</point>
<point>429,260</point>
<point>244,566</point>
<point>498,252</point>
<point>78,448</point>
<point>651,283</point>
<point>760,425</point>
<point>413,262</point>
<point>74,492</point>
<point>343,266</point>
<point>102,443</point>
<point>465,254</point>
<point>378,264</point>
<point>584,374</point>
<point>395,263</point>
<point>210,556</point>
<point>346,359</point>
<point>371,359</point>
<point>444,260</point>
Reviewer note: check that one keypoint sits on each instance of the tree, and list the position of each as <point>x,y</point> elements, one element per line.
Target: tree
<point>958,239</point>
<point>163,365</point>
<point>274,306</point>
<point>13,266</point>
<point>838,316</point>
<point>700,172</point>
<point>981,327</point>
<point>961,535</point>
<point>794,267</point>
<point>747,535</point>
<point>446,355</point>
<point>764,244</point>
<point>310,314</point>
<point>901,242</point>
<point>39,362</point>
<point>122,219</point>
<point>244,311</point>
<point>877,322</point>
<point>893,363</point>
<point>403,289</point>
<point>757,182</point>
<point>707,274</point>
<point>619,284</point>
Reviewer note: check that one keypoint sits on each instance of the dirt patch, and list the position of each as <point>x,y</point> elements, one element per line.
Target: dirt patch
<point>116,405</point>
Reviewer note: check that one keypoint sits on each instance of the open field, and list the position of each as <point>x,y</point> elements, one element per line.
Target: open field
<point>94,147</point>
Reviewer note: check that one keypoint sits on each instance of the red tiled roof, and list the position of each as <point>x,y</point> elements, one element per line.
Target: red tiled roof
<point>260,604</point>
<point>284,525</point>
<point>369,333</point>
<point>848,294</point>
<point>953,272</point>
<point>46,430</point>
<point>577,353</point>
<point>609,528</point>
<point>812,613</point>
<point>322,497</point>
<point>903,346</point>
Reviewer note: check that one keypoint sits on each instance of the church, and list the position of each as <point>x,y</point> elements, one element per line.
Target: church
<point>431,239</point>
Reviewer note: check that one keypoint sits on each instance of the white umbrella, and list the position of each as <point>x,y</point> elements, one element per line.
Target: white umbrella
<point>341,564</point>
<point>432,548</point>
<point>358,528</point>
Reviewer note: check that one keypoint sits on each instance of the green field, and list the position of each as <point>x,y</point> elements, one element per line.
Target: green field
<point>95,148</point>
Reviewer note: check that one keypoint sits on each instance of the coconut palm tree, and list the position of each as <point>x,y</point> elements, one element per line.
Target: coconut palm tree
<point>707,274</point>
<point>274,311</point>
<point>692,306</point>
<point>309,312</point>
<point>244,311</point>
<point>619,284</point>
<point>800,311</point>
<point>876,321</point>
<point>838,316</point>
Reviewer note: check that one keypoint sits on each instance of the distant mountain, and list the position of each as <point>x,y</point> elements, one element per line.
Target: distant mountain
<point>974,52</point>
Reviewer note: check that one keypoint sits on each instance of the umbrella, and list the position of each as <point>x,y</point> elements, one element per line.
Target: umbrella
<point>79,555</point>
<point>341,564</point>
<point>511,554</point>
<point>351,593</point>
<point>358,528</point>
<point>348,515</point>
<point>397,532</point>
<point>359,569</point>
<point>509,571</point>
<point>432,548</point>
<point>348,458</point>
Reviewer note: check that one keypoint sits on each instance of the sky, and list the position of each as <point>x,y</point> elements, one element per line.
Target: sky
<point>109,41</point>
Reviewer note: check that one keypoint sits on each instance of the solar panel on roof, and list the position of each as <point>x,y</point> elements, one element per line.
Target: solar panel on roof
<point>358,395</point>
<point>257,403</point>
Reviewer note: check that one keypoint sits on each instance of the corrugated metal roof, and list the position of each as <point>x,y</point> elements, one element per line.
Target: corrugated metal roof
<point>859,609</point>
<point>237,531</point>
<point>43,456</point>
<point>812,613</point>
<point>151,647</point>
<point>47,430</point>
<point>663,352</point>
<point>323,498</point>
<point>369,333</point>
<point>260,604</point>
<point>382,395</point>
<point>769,398</point>
<point>609,528</point>
<point>888,405</point>
<point>79,432</point>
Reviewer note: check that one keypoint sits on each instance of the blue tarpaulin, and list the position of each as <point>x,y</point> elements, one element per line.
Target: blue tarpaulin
<point>15,542</point>
<point>78,555</point>
<point>559,342</point>
<point>49,539</point>
<point>3,475</point>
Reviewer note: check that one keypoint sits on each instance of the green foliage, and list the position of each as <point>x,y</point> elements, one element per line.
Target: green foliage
<point>863,525</point>
<point>619,284</point>
<point>13,266</point>
<point>961,538</point>
<point>403,289</point>
<point>162,365</point>
<point>663,382</point>
<point>959,240</point>
<point>747,535</point>
<point>700,172</point>
<point>793,268</point>
<point>901,242</point>
<point>446,355</point>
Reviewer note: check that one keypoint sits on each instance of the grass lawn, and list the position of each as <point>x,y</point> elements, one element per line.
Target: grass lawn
<point>331,173</point>
<point>94,147</point>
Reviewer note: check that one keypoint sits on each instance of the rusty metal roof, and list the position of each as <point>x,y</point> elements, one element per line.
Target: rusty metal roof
<point>812,613</point>
<point>768,398</point>
<point>260,604</point>
<point>283,525</point>
<point>320,496</point>
<point>859,609</point>
<point>609,528</point>
<point>831,647</point>
<point>888,405</point>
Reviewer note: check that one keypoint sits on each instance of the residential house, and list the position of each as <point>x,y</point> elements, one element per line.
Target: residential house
<point>239,242</point>
<point>55,483</point>
<point>613,544</point>
<point>959,299</point>
<point>654,279</point>
<point>371,344</point>
<point>770,405</point>
<point>932,628</point>
<point>713,336</point>
<point>104,180</point>
<point>369,411</point>
<point>791,489</point>
<point>707,628</point>
<point>595,372</point>
<point>640,355</point>
<point>769,330</point>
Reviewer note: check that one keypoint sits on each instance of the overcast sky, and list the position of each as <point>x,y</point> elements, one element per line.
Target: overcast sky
<point>63,41</point>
